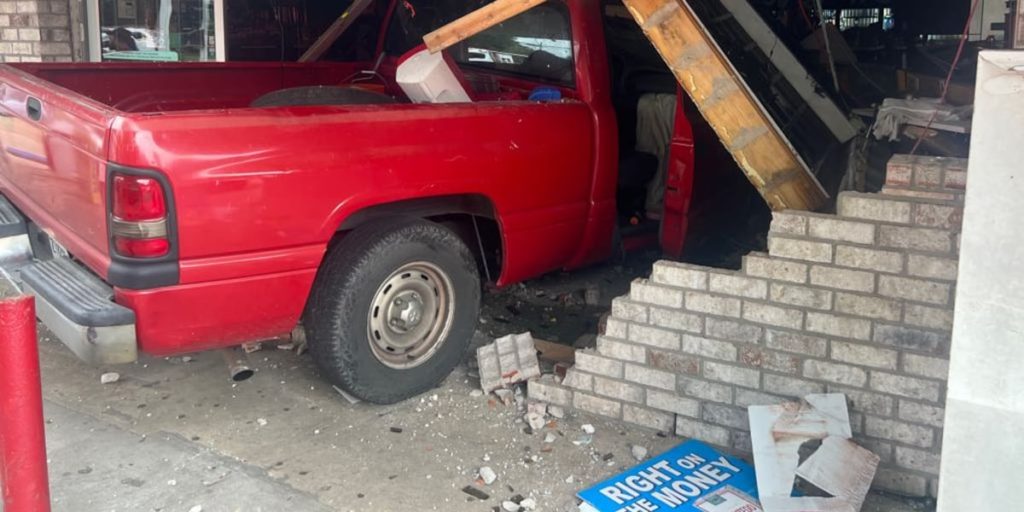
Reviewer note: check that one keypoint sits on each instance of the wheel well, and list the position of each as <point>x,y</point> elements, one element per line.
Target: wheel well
<point>472,217</point>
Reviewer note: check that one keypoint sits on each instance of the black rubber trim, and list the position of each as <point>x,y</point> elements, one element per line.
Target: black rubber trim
<point>143,273</point>
<point>12,222</point>
<point>77,293</point>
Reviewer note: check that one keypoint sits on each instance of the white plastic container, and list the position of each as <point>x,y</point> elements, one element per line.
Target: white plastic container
<point>428,78</point>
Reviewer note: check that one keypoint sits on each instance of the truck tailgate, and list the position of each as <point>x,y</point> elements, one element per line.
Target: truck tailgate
<point>53,162</point>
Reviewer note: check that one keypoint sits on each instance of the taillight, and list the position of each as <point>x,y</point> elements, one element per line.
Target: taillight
<point>139,223</point>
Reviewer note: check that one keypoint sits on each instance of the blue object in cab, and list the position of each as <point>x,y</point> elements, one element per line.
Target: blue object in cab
<point>545,94</point>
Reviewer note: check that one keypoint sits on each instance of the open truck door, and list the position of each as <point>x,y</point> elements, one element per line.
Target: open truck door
<point>678,183</point>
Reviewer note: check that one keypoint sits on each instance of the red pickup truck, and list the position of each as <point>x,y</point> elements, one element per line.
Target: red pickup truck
<point>176,207</point>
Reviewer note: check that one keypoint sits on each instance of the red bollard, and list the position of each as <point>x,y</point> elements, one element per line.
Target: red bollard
<point>23,475</point>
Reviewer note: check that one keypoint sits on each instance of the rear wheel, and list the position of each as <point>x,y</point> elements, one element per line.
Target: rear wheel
<point>393,309</point>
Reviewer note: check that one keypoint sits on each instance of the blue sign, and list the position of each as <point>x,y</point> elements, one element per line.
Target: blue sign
<point>690,477</point>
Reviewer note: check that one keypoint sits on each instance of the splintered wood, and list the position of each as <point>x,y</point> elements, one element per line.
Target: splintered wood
<point>754,140</point>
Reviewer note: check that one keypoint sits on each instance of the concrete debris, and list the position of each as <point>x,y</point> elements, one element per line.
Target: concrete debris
<point>528,504</point>
<point>550,437</point>
<point>255,346</point>
<point>839,467</point>
<point>476,393</point>
<point>535,421</point>
<point>507,361</point>
<point>187,359</point>
<point>487,475</point>
<point>110,378</point>
<point>587,428</point>
<point>540,408</point>
<point>197,508</point>
<point>583,440</point>
<point>592,295</point>
<point>510,506</point>
<point>505,395</point>
<point>261,422</point>
<point>556,411</point>
<point>639,452</point>
<point>570,479</point>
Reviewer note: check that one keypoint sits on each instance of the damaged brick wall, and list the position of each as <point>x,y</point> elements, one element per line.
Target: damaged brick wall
<point>859,303</point>
<point>35,31</point>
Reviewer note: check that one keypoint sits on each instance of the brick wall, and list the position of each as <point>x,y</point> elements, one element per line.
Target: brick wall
<point>35,30</point>
<point>857,303</point>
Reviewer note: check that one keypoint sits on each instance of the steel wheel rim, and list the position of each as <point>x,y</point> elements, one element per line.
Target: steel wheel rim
<point>410,315</point>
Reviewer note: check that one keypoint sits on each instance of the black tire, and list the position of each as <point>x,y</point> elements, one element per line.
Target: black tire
<point>353,275</point>
<point>321,95</point>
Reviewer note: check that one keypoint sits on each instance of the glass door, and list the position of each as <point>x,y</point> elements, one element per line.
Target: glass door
<point>156,30</point>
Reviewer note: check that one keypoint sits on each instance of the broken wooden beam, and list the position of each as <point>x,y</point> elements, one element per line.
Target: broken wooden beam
<point>476,22</point>
<point>755,141</point>
<point>340,25</point>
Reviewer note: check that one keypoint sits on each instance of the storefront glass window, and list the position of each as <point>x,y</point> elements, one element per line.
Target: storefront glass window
<point>157,30</point>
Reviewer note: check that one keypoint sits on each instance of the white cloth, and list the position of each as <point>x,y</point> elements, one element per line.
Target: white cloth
<point>895,113</point>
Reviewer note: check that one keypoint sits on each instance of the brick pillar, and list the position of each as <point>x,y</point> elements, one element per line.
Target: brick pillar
<point>35,31</point>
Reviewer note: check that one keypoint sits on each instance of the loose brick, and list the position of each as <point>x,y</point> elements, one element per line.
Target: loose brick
<point>739,286</point>
<point>791,387</point>
<point>921,413</point>
<point>772,315</point>
<point>912,458</point>
<point>901,482</point>
<point>592,363</point>
<point>676,320</point>
<point>842,279</point>
<point>703,390</point>
<point>709,348</point>
<point>833,372</point>
<point>918,239</point>
<point>712,304</point>
<point>759,357</point>
<point>644,291</point>
<point>799,249</point>
<point>917,290</point>
<point>618,390</point>
<point>650,377</point>
<point>675,363</point>
<point>869,259</point>
<point>680,275</point>
<point>597,405</point>
<point>904,386</point>
<point>548,392</point>
<point>932,267</point>
<point>626,309</point>
<point>924,316</point>
<point>726,416</point>
<point>622,351</point>
<point>898,431</point>
<point>868,306</point>
<point>938,216</point>
<point>796,342</point>
<point>732,374</point>
<point>673,403</point>
<point>733,331</point>
<point>656,420</point>
<point>913,339</point>
<point>654,337</point>
<point>759,265</point>
<point>831,228</point>
<point>706,432</point>
<point>865,355</point>
<point>841,326</point>
<point>870,207</point>
<point>789,222</point>
<point>801,296</point>
<point>866,401</point>
<point>924,366</point>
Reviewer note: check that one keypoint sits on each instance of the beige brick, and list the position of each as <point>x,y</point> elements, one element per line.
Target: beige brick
<point>831,228</point>
<point>680,275</point>
<point>918,290</point>
<point>650,377</point>
<point>899,431</point>
<point>865,355</point>
<point>628,310</point>
<point>799,249</point>
<point>901,482</point>
<point>674,362</point>
<point>709,348</point>
<point>920,460</point>
<point>919,239</point>
<point>924,316</point>
<point>656,420</point>
<point>700,430</point>
<point>732,374</point>
<point>932,267</point>
<point>725,415</point>
<point>597,405</point>
<point>618,390</point>
<point>868,306</point>
<point>938,216</point>
<point>866,401</point>
<point>801,296</point>
<point>842,279</point>
<point>869,259</point>
<point>833,372</point>
<point>796,342</point>
<point>674,403</point>
<point>791,387</point>
<point>772,315</point>
<point>592,363</point>
<point>760,265</point>
<point>548,392</point>
<point>622,351</point>
<point>654,337</point>
<point>903,337</point>
<point>872,207</point>
<point>759,357</point>
<point>675,319</point>
<point>616,328</point>
<point>746,398</point>
<point>703,390</point>
<point>578,380</point>
<point>712,304</point>
<point>733,331</point>
<point>644,291</point>
<point>789,222</point>
<point>841,326</point>
<point>921,413</point>
<point>904,386</point>
<point>739,286</point>
<point>932,367</point>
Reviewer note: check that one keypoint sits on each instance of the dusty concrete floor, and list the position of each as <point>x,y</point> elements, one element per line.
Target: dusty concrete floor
<point>286,434</point>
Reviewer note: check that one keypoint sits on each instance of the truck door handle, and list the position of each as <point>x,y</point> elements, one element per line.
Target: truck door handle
<point>34,109</point>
